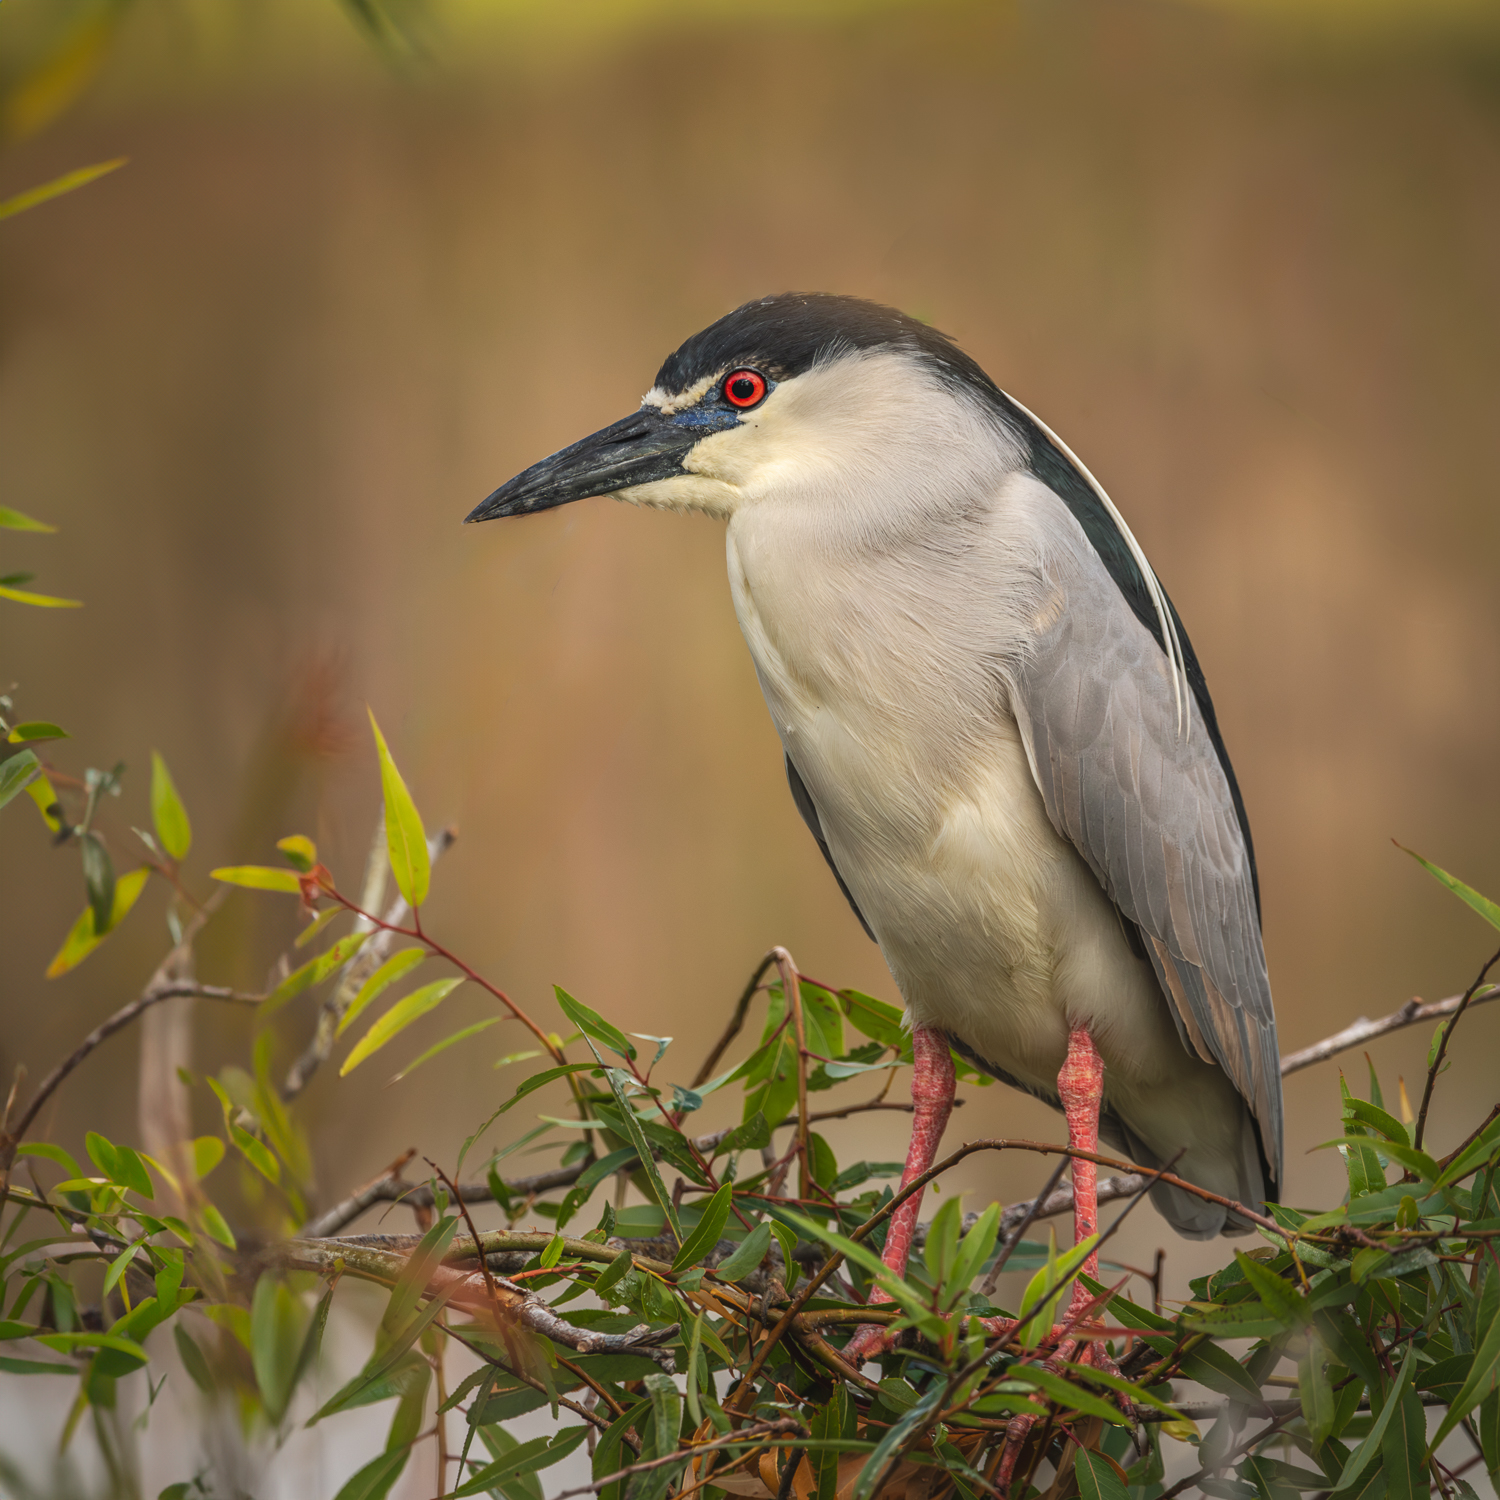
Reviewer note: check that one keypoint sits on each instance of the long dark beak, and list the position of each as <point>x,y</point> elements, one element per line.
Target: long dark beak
<point>644,446</point>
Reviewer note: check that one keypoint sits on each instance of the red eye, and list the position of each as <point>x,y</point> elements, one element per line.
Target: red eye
<point>744,388</point>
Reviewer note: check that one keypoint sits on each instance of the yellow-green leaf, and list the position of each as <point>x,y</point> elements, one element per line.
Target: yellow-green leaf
<point>299,850</point>
<point>313,972</point>
<point>208,1152</point>
<point>405,840</point>
<point>14,520</point>
<point>173,830</point>
<point>259,878</point>
<point>41,601</point>
<point>396,967</point>
<point>37,729</point>
<point>44,191</point>
<point>1486,908</point>
<point>316,926</point>
<point>215,1227</point>
<point>398,1018</point>
<point>82,939</point>
<point>41,792</point>
<point>447,1041</point>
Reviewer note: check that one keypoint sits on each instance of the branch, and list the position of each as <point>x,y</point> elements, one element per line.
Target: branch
<point>364,963</point>
<point>787,1426</point>
<point>1436,1065</point>
<point>153,995</point>
<point>326,1257</point>
<point>1413,1013</point>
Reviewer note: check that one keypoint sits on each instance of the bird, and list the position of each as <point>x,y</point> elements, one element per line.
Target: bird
<point>994,726</point>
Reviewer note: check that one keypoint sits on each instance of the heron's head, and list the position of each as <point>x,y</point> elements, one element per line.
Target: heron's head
<point>810,394</point>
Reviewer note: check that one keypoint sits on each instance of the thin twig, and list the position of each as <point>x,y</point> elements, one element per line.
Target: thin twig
<point>153,995</point>
<point>736,1022</point>
<point>782,1426</point>
<point>1012,1240</point>
<point>792,993</point>
<point>1436,1065</point>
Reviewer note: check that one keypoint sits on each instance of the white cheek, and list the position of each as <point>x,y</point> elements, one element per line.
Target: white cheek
<point>696,492</point>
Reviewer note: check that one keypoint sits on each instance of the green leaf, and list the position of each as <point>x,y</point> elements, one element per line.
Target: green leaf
<point>405,840</point>
<point>62,1343</point>
<point>300,851</point>
<point>1364,1455</point>
<point>374,1480</point>
<point>17,773</point>
<point>380,1364</point>
<point>9,1366</point>
<point>82,939</point>
<point>526,1458</point>
<point>38,601</point>
<point>14,520</point>
<point>750,1136</point>
<point>1410,1158</point>
<point>215,1227</point>
<point>901,1291</point>
<point>36,729</point>
<point>1066,1394</point>
<point>1481,1379</point>
<point>208,1152</point>
<point>99,878</point>
<point>540,1080</point>
<point>592,1024</point>
<point>397,966</point>
<point>442,1046</point>
<point>749,1254</point>
<point>311,974</point>
<point>637,1135</point>
<point>941,1249</point>
<point>786,1239</point>
<point>42,193</point>
<point>253,1150</point>
<point>1316,1391</point>
<point>710,1227</point>
<point>398,1018</point>
<point>897,1436</point>
<point>173,830</point>
<point>259,878</point>
<point>276,1335</point>
<point>1467,894</point>
<point>1046,1288</point>
<point>1098,1479</point>
<point>193,1360</point>
<point>1403,1449</point>
<point>1281,1299</point>
<point>977,1246</point>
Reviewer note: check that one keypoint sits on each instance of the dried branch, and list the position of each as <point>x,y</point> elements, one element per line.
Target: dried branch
<point>1413,1013</point>
<point>756,1432</point>
<point>154,994</point>
<point>1436,1065</point>
<point>468,1290</point>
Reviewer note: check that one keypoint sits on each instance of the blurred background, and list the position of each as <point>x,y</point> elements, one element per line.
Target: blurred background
<point>365,264</point>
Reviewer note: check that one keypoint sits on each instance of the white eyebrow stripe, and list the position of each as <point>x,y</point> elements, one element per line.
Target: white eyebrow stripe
<point>667,403</point>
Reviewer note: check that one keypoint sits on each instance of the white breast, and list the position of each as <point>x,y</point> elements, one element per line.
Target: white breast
<point>883,671</point>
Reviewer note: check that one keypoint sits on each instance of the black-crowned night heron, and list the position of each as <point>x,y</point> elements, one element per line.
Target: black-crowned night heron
<point>994,725</point>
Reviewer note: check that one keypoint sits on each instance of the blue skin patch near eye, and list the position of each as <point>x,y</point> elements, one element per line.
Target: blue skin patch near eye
<point>712,415</point>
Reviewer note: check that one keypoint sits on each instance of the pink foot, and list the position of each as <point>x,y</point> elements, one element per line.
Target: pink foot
<point>932,1097</point>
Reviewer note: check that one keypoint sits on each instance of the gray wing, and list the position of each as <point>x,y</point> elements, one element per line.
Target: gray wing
<point>1152,813</point>
<point>805,805</point>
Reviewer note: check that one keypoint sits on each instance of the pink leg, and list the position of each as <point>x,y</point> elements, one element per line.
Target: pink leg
<point>932,1100</point>
<point>1080,1085</point>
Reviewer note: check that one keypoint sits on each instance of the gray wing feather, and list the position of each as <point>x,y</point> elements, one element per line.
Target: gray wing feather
<point>1153,815</point>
